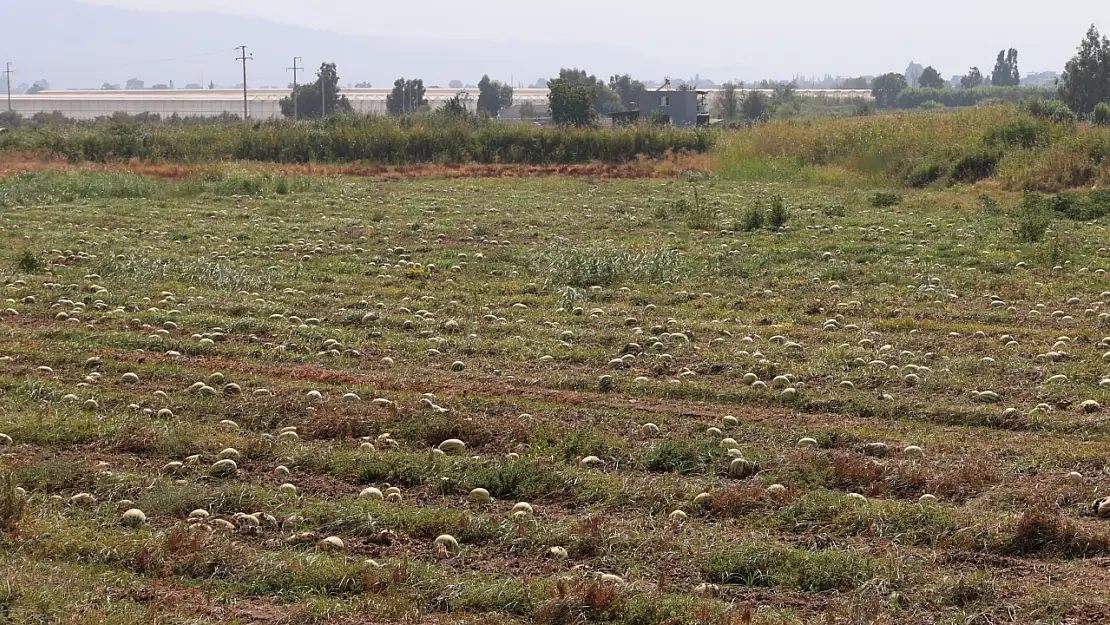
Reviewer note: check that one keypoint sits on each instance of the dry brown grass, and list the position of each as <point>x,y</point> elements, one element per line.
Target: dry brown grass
<point>674,165</point>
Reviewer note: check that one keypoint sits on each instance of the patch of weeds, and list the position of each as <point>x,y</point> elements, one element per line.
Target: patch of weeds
<point>189,553</point>
<point>989,205</point>
<point>513,596</point>
<point>12,505</point>
<point>968,590</point>
<point>570,297</point>
<point>884,199</point>
<point>1032,217</point>
<point>681,456</point>
<point>777,566</point>
<point>605,267</point>
<point>519,480</point>
<point>1040,531</point>
<point>701,215</point>
<point>27,262</point>
<point>577,602</point>
<point>583,442</point>
<point>309,574</point>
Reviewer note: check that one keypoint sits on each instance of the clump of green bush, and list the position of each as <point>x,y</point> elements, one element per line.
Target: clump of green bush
<point>1033,217</point>
<point>1053,110</point>
<point>884,199</point>
<point>426,138</point>
<point>1101,115</point>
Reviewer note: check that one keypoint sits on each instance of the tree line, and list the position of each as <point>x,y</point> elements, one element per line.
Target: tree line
<point>324,96</point>
<point>1083,85</point>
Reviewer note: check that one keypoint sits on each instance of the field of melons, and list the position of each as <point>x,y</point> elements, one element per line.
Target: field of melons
<point>244,398</point>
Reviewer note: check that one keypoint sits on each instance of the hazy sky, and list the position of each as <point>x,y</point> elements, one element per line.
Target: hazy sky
<point>774,39</point>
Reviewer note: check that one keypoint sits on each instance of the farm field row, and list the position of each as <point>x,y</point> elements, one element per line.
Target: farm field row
<point>548,400</point>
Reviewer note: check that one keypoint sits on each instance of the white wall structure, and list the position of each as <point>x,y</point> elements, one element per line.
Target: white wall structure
<point>262,103</point>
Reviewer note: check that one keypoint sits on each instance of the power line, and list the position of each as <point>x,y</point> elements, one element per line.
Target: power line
<point>8,74</point>
<point>295,68</point>
<point>244,57</point>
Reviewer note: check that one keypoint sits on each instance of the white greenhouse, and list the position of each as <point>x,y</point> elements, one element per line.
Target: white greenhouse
<point>264,103</point>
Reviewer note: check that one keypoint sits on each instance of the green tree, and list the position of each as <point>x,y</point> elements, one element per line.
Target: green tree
<point>493,96</point>
<point>727,102</point>
<point>784,93</point>
<point>930,79</point>
<point>311,102</point>
<point>628,90</point>
<point>605,100</point>
<point>1086,78</point>
<point>407,97</point>
<point>1006,72</point>
<point>755,106</point>
<point>572,104</point>
<point>860,82</point>
<point>454,108</point>
<point>974,78</point>
<point>886,88</point>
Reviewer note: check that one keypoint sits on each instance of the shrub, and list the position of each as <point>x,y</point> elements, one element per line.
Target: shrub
<point>975,165</point>
<point>884,199</point>
<point>1101,116</point>
<point>1052,110</point>
<point>752,219</point>
<point>930,104</point>
<point>1022,133</point>
<point>1082,207</point>
<point>1033,218</point>
<point>863,108</point>
<point>924,174</point>
<point>778,215</point>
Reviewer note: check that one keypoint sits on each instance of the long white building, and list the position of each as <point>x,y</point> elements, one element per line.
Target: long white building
<point>261,103</point>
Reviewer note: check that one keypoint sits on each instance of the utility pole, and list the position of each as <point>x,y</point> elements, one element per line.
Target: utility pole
<point>295,68</point>
<point>8,74</point>
<point>244,57</point>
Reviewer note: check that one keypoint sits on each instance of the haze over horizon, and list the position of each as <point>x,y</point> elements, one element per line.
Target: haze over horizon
<point>84,43</point>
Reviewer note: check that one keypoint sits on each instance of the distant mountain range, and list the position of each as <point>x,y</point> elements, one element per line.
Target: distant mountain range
<point>76,45</point>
